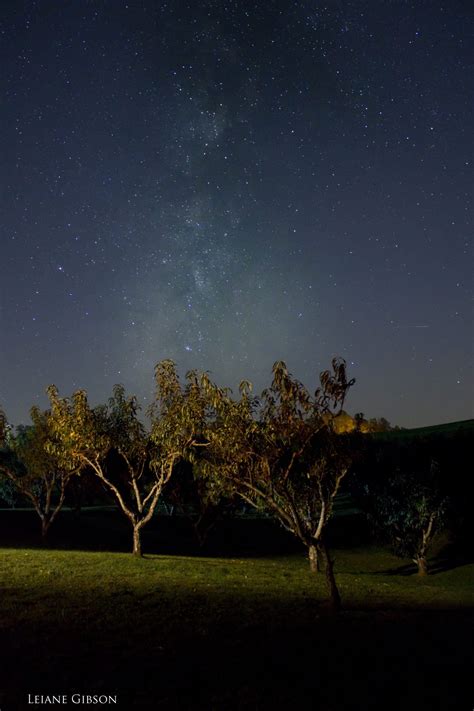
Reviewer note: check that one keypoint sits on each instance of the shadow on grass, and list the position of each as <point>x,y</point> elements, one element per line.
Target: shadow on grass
<point>407,569</point>
<point>449,557</point>
<point>205,658</point>
<point>174,644</point>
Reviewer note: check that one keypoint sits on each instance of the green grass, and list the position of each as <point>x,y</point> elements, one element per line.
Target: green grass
<point>183,632</point>
<point>369,579</point>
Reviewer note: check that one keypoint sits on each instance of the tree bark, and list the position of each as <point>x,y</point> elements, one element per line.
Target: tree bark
<point>420,558</point>
<point>313,558</point>
<point>45,522</point>
<point>334,597</point>
<point>137,543</point>
<point>422,564</point>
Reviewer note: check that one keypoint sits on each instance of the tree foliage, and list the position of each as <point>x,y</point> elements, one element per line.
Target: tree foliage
<point>278,452</point>
<point>113,442</point>
<point>400,488</point>
<point>31,464</point>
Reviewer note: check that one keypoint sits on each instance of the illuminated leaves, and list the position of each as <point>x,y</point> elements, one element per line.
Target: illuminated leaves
<point>35,465</point>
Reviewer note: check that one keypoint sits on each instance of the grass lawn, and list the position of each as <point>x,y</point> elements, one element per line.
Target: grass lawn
<point>222,632</point>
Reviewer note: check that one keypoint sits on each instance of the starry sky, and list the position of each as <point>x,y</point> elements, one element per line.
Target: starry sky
<point>227,184</point>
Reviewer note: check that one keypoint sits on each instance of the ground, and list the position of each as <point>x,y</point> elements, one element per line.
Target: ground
<point>241,625</point>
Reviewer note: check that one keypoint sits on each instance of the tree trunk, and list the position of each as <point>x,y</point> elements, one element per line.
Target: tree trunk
<point>422,564</point>
<point>202,527</point>
<point>45,523</point>
<point>137,543</point>
<point>200,533</point>
<point>334,597</point>
<point>313,558</point>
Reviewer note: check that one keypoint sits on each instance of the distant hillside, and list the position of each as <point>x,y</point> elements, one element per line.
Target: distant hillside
<point>449,429</point>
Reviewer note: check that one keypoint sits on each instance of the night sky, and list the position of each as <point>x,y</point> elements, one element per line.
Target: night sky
<point>231,183</point>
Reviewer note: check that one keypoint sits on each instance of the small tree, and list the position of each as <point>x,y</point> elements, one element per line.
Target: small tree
<point>31,465</point>
<point>279,453</point>
<point>144,461</point>
<point>399,488</point>
<point>113,442</point>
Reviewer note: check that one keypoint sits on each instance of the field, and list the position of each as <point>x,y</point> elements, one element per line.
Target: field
<point>241,625</point>
<point>450,429</point>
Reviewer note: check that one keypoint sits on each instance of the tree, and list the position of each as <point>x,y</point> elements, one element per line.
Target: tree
<point>379,425</point>
<point>279,453</point>
<point>133,463</point>
<point>342,423</point>
<point>180,415</point>
<point>113,442</point>
<point>360,423</point>
<point>398,485</point>
<point>30,464</point>
<point>196,497</point>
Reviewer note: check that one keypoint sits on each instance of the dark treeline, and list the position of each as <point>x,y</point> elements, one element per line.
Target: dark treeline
<point>285,452</point>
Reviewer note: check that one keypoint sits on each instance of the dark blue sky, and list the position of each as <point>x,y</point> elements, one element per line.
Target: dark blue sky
<point>229,184</point>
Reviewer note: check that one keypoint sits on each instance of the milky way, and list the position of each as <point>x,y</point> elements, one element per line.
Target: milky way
<point>229,184</point>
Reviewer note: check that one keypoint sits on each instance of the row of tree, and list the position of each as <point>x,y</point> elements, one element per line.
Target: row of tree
<point>277,451</point>
<point>347,423</point>
<point>282,452</point>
